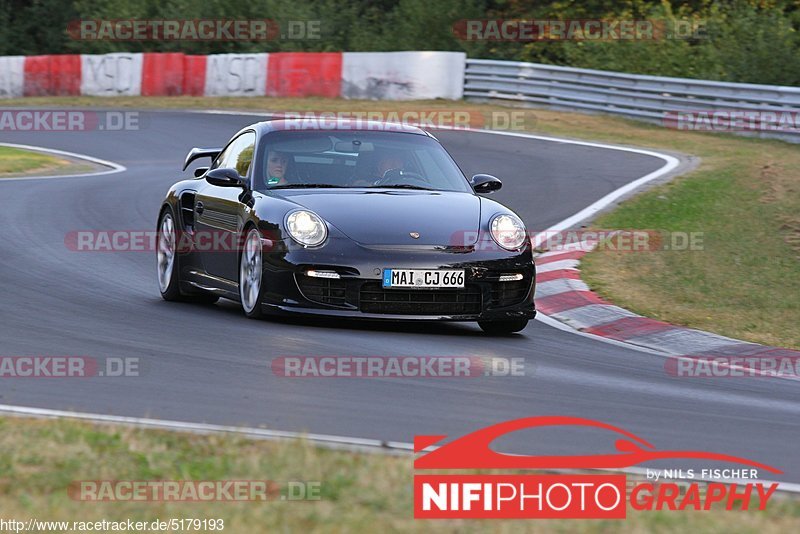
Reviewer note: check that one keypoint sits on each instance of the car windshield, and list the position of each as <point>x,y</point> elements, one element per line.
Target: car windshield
<point>357,159</point>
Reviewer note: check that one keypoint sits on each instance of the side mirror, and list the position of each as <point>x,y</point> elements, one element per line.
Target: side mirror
<point>200,171</point>
<point>485,183</point>
<point>226,178</point>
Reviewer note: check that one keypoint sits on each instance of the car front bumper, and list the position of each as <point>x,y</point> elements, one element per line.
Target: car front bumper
<point>358,292</point>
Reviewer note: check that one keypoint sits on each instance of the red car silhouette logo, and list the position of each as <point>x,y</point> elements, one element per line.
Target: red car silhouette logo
<point>473,450</point>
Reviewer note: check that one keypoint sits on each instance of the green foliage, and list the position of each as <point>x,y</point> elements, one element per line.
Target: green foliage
<point>736,41</point>
<point>758,45</point>
<point>752,41</point>
<point>30,27</point>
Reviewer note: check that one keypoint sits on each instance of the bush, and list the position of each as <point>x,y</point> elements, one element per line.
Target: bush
<point>740,42</point>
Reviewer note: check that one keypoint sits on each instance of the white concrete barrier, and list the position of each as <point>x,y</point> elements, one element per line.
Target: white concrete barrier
<point>403,75</point>
<point>236,75</point>
<point>117,74</point>
<point>12,76</point>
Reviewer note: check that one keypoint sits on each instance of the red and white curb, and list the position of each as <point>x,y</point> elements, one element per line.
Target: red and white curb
<point>562,295</point>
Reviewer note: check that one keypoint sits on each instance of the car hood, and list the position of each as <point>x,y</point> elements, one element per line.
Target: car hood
<point>388,217</point>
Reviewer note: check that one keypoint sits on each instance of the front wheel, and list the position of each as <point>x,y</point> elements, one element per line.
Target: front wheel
<point>250,275</point>
<point>503,327</point>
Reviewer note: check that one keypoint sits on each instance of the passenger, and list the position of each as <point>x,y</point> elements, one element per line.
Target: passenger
<point>277,168</point>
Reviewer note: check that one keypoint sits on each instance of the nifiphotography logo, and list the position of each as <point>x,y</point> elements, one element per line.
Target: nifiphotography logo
<point>572,496</point>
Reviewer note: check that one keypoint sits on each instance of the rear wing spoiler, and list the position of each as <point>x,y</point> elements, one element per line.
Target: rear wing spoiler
<point>197,153</point>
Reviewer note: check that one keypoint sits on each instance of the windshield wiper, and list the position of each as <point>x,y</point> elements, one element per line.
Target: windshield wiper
<point>303,186</point>
<point>402,186</point>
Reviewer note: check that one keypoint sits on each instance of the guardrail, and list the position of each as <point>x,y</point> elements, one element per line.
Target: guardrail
<point>683,103</point>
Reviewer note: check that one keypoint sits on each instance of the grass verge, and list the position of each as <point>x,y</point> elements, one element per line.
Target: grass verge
<point>17,162</point>
<point>358,492</point>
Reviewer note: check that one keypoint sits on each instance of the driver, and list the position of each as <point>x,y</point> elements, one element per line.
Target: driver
<point>386,162</point>
<point>277,165</point>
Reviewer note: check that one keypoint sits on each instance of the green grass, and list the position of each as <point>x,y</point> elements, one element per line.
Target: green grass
<point>745,282</point>
<point>359,492</point>
<point>16,162</point>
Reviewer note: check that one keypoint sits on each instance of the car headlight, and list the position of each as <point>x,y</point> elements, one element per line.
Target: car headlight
<point>307,228</point>
<point>507,231</point>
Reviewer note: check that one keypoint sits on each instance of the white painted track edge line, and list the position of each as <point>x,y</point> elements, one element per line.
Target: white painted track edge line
<point>201,427</point>
<point>355,444</point>
<point>334,442</point>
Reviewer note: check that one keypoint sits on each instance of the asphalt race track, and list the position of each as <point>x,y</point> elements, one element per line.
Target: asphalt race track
<point>210,364</point>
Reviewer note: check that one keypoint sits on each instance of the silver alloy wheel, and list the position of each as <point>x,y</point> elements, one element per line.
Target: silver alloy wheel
<point>166,252</point>
<point>250,271</point>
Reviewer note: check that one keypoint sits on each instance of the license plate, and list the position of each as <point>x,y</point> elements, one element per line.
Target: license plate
<point>423,279</point>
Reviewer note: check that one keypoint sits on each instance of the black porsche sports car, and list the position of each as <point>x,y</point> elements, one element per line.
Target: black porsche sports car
<point>349,219</point>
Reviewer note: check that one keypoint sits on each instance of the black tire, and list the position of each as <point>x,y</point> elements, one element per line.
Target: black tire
<point>503,327</point>
<point>168,268</point>
<point>251,271</point>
